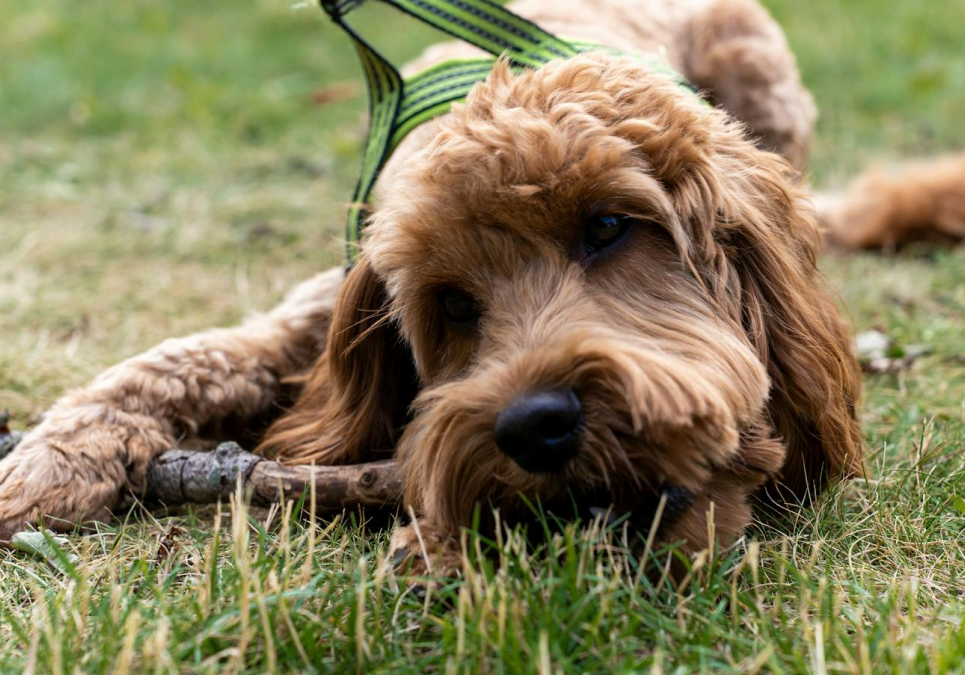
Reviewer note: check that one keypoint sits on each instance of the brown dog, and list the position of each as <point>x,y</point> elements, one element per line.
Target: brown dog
<point>582,284</point>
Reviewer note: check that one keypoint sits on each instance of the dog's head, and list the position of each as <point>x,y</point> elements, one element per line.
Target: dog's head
<point>605,290</point>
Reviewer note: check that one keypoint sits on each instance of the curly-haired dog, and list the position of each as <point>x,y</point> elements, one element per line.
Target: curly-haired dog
<point>583,283</point>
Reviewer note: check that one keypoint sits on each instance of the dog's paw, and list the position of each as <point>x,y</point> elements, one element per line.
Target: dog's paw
<point>69,473</point>
<point>416,552</point>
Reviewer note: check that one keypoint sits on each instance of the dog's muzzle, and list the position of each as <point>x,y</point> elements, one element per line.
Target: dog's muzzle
<point>540,430</point>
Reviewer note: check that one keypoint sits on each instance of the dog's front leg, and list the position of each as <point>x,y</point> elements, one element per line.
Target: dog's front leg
<point>98,441</point>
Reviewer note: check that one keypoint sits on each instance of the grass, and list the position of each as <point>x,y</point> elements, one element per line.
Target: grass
<point>163,168</point>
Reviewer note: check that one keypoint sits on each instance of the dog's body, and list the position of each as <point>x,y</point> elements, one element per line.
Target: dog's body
<point>583,282</point>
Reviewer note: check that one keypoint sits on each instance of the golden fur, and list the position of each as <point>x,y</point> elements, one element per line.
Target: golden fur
<point>884,208</point>
<point>705,350</point>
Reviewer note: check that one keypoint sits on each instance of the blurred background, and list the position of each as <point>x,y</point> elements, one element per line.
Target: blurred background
<point>170,166</point>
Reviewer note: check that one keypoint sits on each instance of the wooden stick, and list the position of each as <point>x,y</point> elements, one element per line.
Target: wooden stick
<point>8,439</point>
<point>188,477</point>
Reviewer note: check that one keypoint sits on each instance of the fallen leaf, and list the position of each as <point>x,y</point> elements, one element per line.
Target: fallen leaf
<point>871,344</point>
<point>47,547</point>
<point>167,545</point>
<point>879,354</point>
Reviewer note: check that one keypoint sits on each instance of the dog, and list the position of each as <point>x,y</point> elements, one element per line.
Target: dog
<point>581,286</point>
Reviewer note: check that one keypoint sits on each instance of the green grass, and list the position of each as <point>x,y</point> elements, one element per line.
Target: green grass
<point>163,169</point>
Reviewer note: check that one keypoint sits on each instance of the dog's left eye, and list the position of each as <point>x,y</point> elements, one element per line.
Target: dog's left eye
<point>458,306</point>
<point>605,229</point>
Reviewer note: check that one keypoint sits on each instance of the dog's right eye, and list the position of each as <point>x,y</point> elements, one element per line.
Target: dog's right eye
<point>458,306</point>
<point>602,230</point>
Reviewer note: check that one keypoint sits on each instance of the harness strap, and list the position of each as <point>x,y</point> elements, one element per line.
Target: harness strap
<point>397,106</point>
<point>385,88</point>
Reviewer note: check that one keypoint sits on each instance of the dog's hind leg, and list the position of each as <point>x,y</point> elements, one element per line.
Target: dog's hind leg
<point>738,54</point>
<point>922,200</point>
<point>96,442</point>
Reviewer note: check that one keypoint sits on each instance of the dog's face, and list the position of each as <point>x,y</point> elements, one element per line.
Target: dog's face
<point>601,284</point>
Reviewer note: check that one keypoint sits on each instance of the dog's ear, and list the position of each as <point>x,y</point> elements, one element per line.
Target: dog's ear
<point>775,287</point>
<point>356,399</point>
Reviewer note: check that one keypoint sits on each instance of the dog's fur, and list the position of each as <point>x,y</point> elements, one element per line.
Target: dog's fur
<point>711,364</point>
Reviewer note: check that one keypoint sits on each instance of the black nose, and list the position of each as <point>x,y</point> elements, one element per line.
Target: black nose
<point>539,430</point>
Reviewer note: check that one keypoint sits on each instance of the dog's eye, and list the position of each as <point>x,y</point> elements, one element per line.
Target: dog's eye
<point>605,229</point>
<point>458,307</point>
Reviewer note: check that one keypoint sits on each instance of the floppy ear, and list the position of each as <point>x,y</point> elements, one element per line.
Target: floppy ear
<point>356,398</point>
<point>772,247</point>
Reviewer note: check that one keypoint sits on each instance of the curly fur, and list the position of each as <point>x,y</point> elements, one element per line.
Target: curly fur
<point>97,442</point>
<point>705,350</point>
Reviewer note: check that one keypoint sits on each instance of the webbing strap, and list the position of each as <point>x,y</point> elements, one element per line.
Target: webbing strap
<point>482,23</point>
<point>397,106</point>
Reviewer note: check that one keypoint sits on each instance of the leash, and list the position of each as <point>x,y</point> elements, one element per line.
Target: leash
<point>397,106</point>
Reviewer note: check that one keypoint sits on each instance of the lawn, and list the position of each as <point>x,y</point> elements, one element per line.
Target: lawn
<point>165,167</point>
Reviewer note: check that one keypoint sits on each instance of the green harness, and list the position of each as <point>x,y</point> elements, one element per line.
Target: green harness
<point>397,105</point>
